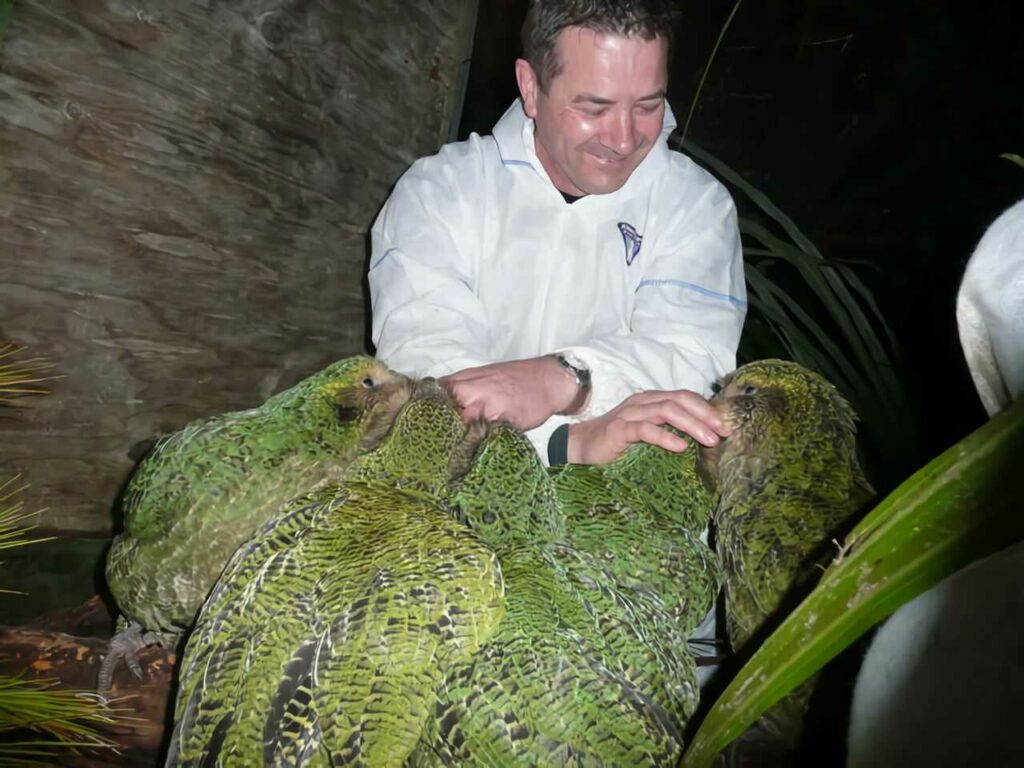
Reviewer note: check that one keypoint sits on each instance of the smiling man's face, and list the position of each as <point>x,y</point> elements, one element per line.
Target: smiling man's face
<point>603,111</point>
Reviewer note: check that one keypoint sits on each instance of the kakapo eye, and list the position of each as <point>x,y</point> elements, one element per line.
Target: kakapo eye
<point>369,383</point>
<point>749,389</point>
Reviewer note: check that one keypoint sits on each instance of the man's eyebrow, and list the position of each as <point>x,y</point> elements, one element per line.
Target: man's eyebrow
<point>591,98</point>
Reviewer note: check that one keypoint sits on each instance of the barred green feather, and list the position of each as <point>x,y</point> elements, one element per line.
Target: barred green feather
<point>642,516</point>
<point>589,666</point>
<point>636,556</point>
<point>206,488</point>
<point>329,631</point>
<point>789,481</point>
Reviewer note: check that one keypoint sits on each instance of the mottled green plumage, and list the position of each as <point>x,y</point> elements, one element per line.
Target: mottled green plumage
<point>642,515</point>
<point>204,489</point>
<point>329,631</point>
<point>636,556</point>
<point>515,615</point>
<point>788,479</point>
<point>590,665</point>
<point>544,690</point>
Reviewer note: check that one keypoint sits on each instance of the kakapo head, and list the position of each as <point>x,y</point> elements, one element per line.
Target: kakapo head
<point>361,397</point>
<point>425,445</point>
<point>780,412</point>
<point>342,409</point>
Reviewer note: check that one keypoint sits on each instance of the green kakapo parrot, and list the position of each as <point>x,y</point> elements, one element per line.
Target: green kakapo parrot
<point>574,673</point>
<point>789,481</point>
<point>545,689</point>
<point>205,489</point>
<point>326,636</point>
<point>788,477</point>
<point>635,553</point>
<point>643,516</point>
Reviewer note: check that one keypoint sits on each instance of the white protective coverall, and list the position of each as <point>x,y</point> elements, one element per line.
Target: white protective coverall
<point>477,258</point>
<point>990,311</point>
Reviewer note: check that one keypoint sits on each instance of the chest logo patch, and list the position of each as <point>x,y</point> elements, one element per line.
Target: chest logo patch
<point>632,240</point>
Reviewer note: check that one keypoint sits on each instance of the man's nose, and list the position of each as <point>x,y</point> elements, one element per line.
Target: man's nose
<point>621,135</point>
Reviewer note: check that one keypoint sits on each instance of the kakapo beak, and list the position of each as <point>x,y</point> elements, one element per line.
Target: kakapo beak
<point>726,412</point>
<point>708,459</point>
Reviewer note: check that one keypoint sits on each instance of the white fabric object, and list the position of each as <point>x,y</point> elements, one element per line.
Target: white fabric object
<point>477,258</point>
<point>990,311</point>
<point>943,681</point>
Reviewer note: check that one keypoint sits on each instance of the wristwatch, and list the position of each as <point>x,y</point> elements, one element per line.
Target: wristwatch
<point>582,376</point>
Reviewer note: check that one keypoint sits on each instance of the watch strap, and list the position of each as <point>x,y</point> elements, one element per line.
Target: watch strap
<point>583,387</point>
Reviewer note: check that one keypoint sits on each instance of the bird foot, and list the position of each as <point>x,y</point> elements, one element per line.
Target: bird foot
<point>125,645</point>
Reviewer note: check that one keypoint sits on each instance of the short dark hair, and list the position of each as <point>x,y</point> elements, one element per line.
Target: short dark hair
<point>546,19</point>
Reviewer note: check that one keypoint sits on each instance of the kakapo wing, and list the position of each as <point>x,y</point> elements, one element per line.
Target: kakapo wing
<point>203,490</point>
<point>633,555</point>
<point>327,635</point>
<point>555,684</point>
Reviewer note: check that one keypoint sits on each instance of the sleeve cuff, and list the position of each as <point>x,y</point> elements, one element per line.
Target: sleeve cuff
<point>539,436</point>
<point>558,446</point>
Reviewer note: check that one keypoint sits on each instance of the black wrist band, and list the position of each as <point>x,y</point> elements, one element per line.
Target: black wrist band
<point>558,446</point>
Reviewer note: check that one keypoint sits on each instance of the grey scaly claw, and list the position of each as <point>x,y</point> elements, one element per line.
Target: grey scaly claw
<point>126,645</point>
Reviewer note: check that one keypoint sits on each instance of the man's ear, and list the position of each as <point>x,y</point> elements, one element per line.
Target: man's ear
<point>528,85</point>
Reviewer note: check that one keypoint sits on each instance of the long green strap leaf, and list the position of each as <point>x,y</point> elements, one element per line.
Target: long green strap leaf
<point>866,339</point>
<point>759,198</point>
<point>962,506</point>
<point>854,281</point>
<point>821,354</point>
<point>762,201</point>
<point>1013,158</point>
<point>707,66</point>
<point>867,354</point>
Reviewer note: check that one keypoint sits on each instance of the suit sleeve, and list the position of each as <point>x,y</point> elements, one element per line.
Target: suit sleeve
<point>426,319</point>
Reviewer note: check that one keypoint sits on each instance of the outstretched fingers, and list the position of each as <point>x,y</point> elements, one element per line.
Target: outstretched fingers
<point>642,418</point>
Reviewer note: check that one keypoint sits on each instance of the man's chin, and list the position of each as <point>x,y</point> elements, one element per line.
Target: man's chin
<point>605,186</point>
<point>603,183</point>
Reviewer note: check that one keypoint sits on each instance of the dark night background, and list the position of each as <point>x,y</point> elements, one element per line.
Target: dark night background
<point>876,126</point>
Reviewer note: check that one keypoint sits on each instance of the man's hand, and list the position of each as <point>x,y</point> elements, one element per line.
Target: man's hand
<point>639,419</point>
<point>524,393</point>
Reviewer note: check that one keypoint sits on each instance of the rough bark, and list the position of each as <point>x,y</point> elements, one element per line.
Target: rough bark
<point>185,192</point>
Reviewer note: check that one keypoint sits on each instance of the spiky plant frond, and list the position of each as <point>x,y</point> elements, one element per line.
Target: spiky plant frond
<point>21,377</point>
<point>39,723</point>
<point>13,531</point>
<point>12,528</point>
<point>42,725</point>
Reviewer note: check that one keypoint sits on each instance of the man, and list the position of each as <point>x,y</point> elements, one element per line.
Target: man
<point>569,274</point>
